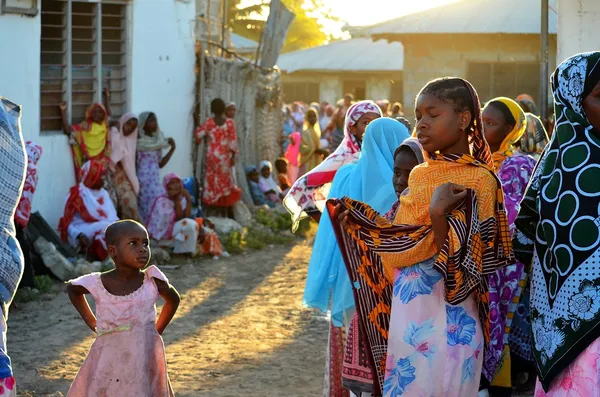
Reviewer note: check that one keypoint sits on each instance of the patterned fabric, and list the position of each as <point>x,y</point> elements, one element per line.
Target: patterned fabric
<point>88,210</point>
<point>535,138</point>
<point>309,193</point>
<point>126,198</point>
<point>219,187</point>
<point>149,177</point>
<point>333,364</point>
<point>514,171</point>
<point>23,212</point>
<point>370,181</point>
<point>357,371</point>
<point>469,254</point>
<point>12,174</point>
<point>580,379</point>
<point>123,149</point>
<point>428,336</point>
<point>507,147</point>
<point>560,214</point>
<point>89,140</point>
<point>128,356</point>
<point>506,285</point>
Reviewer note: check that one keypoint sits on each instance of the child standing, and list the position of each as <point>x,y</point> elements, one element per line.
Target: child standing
<point>128,357</point>
<point>449,233</point>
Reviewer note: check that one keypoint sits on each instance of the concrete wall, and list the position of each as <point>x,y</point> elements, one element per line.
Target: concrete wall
<point>161,79</point>
<point>378,88</point>
<point>162,75</point>
<point>578,27</point>
<point>20,82</point>
<point>330,89</point>
<point>331,85</point>
<point>430,56</point>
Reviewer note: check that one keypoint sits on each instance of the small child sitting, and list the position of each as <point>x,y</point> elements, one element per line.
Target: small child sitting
<point>253,182</point>
<point>267,184</point>
<point>281,165</point>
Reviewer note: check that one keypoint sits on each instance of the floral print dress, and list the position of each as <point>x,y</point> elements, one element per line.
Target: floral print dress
<point>150,185</point>
<point>219,187</point>
<point>434,348</point>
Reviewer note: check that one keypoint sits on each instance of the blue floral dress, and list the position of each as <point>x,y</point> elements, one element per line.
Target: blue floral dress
<point>434,349</point>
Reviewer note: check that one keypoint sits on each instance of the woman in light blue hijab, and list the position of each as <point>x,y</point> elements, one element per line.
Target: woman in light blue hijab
<point>369,181</point>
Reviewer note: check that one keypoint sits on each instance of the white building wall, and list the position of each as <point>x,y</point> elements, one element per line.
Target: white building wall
<point>20,82</point>
<point>378,88</point>
<point>330,89</point>
<point>162,75</point>
<point>161,79</point>
<point>578,27</point>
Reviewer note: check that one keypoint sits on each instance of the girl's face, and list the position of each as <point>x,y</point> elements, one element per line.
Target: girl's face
<point>404,163</point>
<point>495,127</point>
<point>151,124</point>
<point>174,188</point>
<point>591,106</point>
<point>265,172</point>
<point>132,249</point>
<point>440,127</point>
<point>311,117</point>
<point>130,127</point>
<point>358,129</point>
<point>98,115</point>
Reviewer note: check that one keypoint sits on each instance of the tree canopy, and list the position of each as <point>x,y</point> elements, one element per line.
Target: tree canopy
<point>307,29</point>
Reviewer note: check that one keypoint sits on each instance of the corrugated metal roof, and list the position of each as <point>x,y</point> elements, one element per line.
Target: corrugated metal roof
<point>241,43</point>
<point>358,55</point>
<point>473,16</point>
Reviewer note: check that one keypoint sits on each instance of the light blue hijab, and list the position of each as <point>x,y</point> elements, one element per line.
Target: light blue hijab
<point>369,181</point>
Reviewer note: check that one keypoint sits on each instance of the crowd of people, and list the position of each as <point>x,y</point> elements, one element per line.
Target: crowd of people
<point>458,258</point>
<point>118,163</point>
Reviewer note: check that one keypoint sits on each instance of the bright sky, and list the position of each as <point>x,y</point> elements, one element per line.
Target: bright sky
<point>369,12</point>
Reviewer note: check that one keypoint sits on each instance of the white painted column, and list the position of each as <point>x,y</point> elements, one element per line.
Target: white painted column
<point>578,27</point>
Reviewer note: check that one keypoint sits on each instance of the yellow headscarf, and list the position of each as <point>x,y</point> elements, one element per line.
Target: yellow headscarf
<point>507,147</point>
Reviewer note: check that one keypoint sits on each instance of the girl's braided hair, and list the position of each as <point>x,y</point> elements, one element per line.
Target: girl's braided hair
<point>462,95</point>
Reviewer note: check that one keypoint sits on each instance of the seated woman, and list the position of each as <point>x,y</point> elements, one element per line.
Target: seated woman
<point>267,184</point>
<point>88,212</point>
<point>171,225</point>
<point>253,183</point>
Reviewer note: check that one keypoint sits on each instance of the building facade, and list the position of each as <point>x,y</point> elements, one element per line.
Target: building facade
<point>72,50</point>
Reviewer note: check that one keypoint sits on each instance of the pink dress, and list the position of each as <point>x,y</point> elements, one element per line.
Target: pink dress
<point>128,356</point>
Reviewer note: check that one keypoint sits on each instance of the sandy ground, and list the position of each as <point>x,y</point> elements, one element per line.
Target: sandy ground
<point>240,330</point>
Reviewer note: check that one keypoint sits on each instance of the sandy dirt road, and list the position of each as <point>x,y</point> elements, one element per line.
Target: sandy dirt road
<point>240,330</point>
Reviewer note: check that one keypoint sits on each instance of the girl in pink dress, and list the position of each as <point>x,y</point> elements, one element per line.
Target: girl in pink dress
<point>128,356</point>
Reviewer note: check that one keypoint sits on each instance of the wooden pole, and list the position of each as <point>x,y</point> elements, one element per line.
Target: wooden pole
<point>544,75</point>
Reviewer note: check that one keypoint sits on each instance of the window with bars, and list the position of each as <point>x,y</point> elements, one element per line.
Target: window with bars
<point>305,92</point>
<point>83,51</point>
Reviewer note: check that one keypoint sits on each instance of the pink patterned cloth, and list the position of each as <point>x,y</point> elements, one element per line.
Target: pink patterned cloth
<point>128,356</point>
<point>309,193</point>
<point>580,379</point>
<point>34,152</point>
